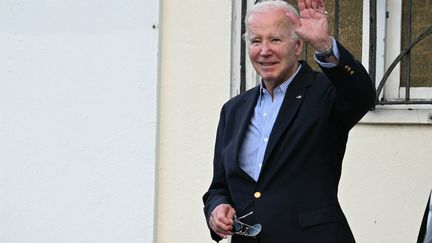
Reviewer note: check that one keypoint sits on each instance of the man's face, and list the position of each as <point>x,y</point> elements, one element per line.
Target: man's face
<point>272,51</point>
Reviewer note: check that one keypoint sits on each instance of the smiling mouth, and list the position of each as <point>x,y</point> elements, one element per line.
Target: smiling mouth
<point>267,64</point>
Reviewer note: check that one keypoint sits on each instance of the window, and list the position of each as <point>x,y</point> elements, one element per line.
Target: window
<point>407,49</point>
<point>392,39</point>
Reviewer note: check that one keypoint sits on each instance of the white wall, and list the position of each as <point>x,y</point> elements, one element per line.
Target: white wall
<point>386,181</point>
<point>195,81</point>
<point>78,93</point>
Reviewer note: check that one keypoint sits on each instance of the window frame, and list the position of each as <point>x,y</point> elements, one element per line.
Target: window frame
<point>388,44</point>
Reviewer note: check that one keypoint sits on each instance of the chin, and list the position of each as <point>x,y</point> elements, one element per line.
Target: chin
<point>268,78</point>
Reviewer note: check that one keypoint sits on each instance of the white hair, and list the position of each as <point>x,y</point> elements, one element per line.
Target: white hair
<point>269,5</point>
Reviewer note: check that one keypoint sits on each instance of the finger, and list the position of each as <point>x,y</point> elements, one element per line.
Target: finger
<point>318,4</point>
<point>223,216</point>
<point>301,5</point>
<point>220,229</point>
<point>224,223</point>
<point>308,4</point>
<point>321,4</point>
<point>220,233</point>
<point>223,236</point>
<point>221,222</point>
<point>314,4</point>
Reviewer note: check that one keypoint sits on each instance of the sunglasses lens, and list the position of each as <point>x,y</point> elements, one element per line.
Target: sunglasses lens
<point>254,230</point>
<point>237,227</point>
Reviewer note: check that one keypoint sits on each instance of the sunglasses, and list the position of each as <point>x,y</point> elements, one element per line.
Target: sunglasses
<point>241,228</point>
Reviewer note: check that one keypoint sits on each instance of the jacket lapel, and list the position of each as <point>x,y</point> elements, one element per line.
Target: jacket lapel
<point>293,98</point>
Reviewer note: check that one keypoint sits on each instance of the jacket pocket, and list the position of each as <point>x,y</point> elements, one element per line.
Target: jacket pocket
<point>321,216</point>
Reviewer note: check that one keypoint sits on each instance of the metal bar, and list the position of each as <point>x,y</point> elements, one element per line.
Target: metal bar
<point>408,55</point>
<point>372,40</point>
<point>336,20</point>
<point>243,49</point>
<point>405,102</point>
<point>305,50</point>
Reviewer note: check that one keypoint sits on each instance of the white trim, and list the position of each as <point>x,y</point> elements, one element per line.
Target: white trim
<point>365,35</point>
<point>235,48</point>
<point>417,92</point>
<point>151,79</point>
<point>393,47</point>
<point>380,45</point>
<point>399,114</point>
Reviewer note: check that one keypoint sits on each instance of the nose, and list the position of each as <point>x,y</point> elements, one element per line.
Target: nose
<point>265,49</point>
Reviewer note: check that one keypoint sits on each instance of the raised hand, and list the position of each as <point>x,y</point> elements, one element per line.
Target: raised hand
<point>312,25</point>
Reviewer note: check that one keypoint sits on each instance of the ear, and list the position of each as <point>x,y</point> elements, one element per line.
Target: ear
<point>299,47</point>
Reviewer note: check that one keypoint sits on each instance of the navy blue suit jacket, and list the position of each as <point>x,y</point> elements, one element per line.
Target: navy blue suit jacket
<point>302,163</point>
<point>422,232</point>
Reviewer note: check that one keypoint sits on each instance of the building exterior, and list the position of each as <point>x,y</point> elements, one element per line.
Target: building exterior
<point>109,114</point>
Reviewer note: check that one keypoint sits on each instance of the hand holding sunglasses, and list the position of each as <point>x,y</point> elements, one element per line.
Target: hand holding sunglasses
<point>241,228</point>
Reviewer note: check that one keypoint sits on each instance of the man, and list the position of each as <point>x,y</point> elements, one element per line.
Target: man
<point>425,234</point>
<point>279,146</point>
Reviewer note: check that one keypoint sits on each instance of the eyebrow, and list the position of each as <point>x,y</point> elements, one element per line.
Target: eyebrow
<point>280,36</point>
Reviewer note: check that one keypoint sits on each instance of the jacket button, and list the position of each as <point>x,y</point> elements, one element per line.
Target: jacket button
<point>257,195</point>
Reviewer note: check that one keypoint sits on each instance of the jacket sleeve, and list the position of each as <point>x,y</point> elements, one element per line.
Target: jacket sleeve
<point>218,191</point>
<point>354,91</point>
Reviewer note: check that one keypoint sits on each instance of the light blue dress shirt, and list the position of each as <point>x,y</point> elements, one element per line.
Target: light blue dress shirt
<point>252,150</point>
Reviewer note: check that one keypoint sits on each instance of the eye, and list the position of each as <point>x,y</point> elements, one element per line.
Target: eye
<point>276,40</point>
<point>255,41</point>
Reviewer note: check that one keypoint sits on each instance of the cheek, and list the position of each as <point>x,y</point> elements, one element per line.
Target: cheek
<point>253,53</point>
<point>290,56</point>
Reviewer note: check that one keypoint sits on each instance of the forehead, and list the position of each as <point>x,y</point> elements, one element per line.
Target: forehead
<point>268,22</point>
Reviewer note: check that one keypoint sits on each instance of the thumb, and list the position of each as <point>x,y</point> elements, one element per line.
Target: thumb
<point>231,213</point>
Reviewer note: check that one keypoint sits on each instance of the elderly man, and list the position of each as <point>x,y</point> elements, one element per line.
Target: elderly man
<point>279,146</point>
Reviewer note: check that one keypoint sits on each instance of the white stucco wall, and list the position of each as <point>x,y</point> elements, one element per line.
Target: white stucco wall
<point>78,110</point>
<point>195,81</point>
<point>386,181</point>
